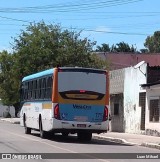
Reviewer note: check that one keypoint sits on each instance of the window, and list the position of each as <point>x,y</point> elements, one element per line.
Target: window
<point>116,109</point>
<point>154,110</point>
<point>49,87</point>
<point>37,89</point>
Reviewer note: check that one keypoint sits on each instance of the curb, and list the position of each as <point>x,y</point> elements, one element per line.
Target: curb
<point>11,121</point>
<point>112,139</point>
<point>123,141</point>
<point>151,145</point>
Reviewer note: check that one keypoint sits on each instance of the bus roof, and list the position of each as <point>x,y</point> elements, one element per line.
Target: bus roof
<point>51,71</point>
<point>39,74</point>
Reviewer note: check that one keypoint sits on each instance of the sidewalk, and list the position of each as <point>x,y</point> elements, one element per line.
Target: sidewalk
<point>131,139</point>
<point>124,138</point>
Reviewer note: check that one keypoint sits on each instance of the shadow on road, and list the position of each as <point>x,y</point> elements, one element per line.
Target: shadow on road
<point>73,139</point>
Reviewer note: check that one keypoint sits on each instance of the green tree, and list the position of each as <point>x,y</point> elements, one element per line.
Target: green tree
<point>43,46</point>
<point>152,43</point>
<point>40,47</point>
<point>143,50</point>
<point>123,47</point>
<point>8,83</point>
<point>103,48</point>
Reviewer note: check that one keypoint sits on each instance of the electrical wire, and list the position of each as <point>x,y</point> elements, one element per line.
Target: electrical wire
<point>68,7</point>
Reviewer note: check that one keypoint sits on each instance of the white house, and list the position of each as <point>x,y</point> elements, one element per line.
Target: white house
<point>127,99</point>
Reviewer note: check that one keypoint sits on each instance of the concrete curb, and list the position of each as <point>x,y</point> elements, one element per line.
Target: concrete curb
<point>112,139</point>
<point>11,120</point>
<point>151,145</point>
<point>123,141</point>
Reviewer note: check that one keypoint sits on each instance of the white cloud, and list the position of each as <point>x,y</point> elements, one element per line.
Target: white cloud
<point>102,29</point>
<point>95,33</point>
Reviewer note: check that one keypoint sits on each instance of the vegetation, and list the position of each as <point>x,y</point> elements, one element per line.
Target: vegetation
<point>40,47</point>
<point>119,47</point>
<point>152,43</point>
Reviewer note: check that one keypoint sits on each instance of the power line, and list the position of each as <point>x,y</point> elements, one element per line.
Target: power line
<point>68,7</point>
<point>14,19</point>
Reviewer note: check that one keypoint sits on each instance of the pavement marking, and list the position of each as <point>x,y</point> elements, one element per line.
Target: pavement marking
<point>55,146</point>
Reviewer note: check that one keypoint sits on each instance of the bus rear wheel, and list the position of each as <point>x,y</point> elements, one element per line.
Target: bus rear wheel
<point>42,132</point>
<point>83,136</point>
<point>65,134</point>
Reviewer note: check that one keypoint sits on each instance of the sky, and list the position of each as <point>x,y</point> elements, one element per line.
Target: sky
<point>103,21</point>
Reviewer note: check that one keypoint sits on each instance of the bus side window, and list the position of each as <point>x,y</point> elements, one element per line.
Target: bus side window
<point>39,88</point>
<point>49,87</point>
<point>43,88</point>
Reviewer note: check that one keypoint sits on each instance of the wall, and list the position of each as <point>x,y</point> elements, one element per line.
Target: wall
<point>132,112</point>
<point>117,81</point>
<point>4,109</point>
<point>116,97</point>
<point>117,124</point>
<point>152,128</point>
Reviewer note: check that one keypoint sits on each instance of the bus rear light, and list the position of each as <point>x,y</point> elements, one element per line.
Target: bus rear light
<point>60,70</point>
<point>105,115</point>
<point>82,91</point>
<point>56,112</point>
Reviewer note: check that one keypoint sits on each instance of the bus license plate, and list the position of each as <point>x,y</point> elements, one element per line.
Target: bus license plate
<point>81,125</point>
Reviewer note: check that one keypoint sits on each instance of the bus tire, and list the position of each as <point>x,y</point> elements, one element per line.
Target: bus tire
<point>26,129</point>
<point>65,134</point>
<point>42,132</point>
<point>84,136</point>
<point>88,136</point>
<point>80,136</point>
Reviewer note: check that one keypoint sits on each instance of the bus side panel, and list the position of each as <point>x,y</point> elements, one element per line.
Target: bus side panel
<point>33,112</point>
<point>29,110</point>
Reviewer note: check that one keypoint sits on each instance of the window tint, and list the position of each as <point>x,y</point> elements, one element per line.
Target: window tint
<point>37,89</point>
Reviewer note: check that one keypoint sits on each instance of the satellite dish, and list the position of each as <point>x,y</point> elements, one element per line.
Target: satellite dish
<point>139,64</point>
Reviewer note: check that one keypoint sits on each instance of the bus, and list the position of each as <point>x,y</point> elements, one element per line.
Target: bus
<point>66,100</point>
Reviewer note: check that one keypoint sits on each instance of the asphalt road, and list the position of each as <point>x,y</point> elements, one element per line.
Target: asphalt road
<point>13,140</point>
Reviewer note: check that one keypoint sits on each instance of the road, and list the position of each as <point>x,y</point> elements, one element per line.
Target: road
<point>13,140</point>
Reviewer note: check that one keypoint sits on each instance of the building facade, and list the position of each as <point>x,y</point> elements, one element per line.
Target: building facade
<point>126,96</point>
<point>152,116</point>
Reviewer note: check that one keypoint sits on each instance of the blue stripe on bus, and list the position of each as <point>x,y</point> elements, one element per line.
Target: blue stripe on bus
<point>37,75</point>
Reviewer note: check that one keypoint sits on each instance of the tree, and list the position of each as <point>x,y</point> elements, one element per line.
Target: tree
<point>43,46</point>
<point>123,47</point>
<point>143,50</point>
<point>38,48</point>
<point>152,43</point>
<point>103,48</point>
<point>119,47</point>
<point>8,84</point>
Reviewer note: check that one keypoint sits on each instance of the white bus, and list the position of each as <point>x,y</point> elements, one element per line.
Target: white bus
<point>66,100</point>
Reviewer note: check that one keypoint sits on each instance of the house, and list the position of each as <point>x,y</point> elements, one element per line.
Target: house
<point>135,99</point>
<point>152,116</point>
<point>127,99</point>
<point>5,110</point>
